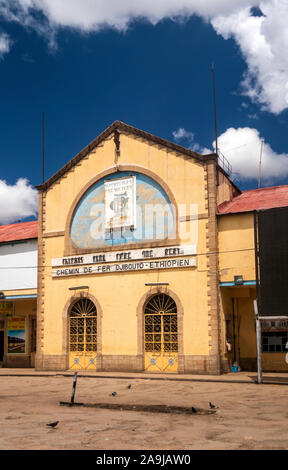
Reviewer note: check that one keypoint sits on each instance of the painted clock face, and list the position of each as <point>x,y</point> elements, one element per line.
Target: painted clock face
<point>124,207</point>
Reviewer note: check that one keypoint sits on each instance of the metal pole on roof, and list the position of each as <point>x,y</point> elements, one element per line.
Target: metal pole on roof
<point>260,163</point>
<point>43,147</point>
<point>215,117</point>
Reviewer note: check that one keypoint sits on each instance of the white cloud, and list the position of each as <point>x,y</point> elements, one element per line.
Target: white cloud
<point>181,133</point>
<point>263,41</point>
<point>5,44</point>
<point>17,201</point>
<point>89,15</point>
<point>242,148</point>
<point>253,116</point>
<point>23,13</point>
<point>186,138</point>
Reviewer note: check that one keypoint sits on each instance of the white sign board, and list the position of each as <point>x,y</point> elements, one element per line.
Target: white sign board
<point>112,256</point>
<point>120,203</point>
<point>124,267</point>
<point>19,265</point>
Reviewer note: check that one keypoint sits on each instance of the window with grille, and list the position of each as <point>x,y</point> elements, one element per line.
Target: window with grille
<point>161,329</point>
<point>274,341</point>
<point>83,326</point>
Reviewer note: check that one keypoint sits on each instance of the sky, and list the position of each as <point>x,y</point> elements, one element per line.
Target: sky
<point>88,63</point>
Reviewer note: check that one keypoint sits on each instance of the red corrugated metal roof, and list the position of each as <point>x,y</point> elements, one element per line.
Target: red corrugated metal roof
<point>21,231</point>
<point>256,199</point>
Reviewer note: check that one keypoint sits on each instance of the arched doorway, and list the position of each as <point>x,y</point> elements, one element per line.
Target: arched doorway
<point>160,334</point>
<point>83,335</point>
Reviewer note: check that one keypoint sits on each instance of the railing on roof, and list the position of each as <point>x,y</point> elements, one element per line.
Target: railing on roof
<point>224,163</point>
<point>227,167</point>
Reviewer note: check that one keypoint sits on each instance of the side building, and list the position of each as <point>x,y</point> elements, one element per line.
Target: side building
<point>237,235</point>
<point>18,294</point>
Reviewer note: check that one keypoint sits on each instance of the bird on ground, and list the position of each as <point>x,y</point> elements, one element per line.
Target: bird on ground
<point>53,425</point>
<point>129,386</point>
<point>113,394</point>
<point>193,410</point>
<point>212,406</point>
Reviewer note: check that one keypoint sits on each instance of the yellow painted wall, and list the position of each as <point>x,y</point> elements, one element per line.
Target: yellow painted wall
<point>225,190</point>
<point>236,246</point>
<point>119,294</point>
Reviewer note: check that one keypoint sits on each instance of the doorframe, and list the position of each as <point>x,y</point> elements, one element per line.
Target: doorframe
<point>65,323</point>
<point>140,323</point>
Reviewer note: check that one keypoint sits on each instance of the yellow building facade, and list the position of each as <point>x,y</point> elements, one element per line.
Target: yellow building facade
<point>155,298</point>
<point>137,265</point>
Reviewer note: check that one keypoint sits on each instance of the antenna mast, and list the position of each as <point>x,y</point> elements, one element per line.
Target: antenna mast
<point>260,163</point>
<point>215,117</point>
<point>43,148</point>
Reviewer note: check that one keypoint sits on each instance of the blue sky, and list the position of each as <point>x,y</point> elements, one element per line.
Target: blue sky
<point>152,72</point>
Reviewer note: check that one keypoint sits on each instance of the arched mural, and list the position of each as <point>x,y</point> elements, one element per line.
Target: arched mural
<point>123,207</point>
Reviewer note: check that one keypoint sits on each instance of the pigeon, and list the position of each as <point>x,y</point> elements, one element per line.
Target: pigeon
<point>53,425</point>
<point>212,406</point>
<point>129,386</point>
<point>193,410</point>
<point>113,394</point>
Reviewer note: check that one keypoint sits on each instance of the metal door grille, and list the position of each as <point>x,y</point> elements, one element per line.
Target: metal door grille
<point>83,327</point>
<point>161,330</point>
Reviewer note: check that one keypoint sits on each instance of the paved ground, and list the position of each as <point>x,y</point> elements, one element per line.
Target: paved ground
<point>249,415</point>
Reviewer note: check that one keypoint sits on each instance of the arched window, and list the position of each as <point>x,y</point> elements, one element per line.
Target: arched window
<point>83,326</point>
<point>161,330</point>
